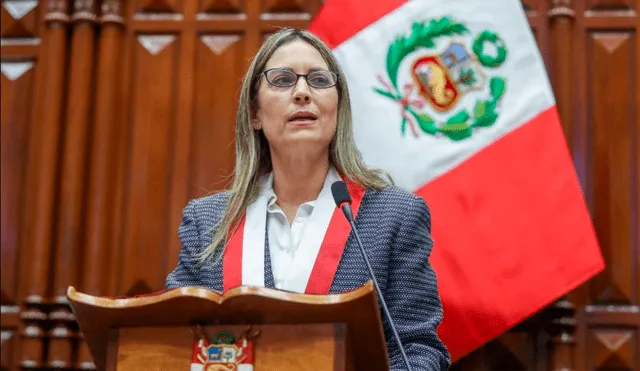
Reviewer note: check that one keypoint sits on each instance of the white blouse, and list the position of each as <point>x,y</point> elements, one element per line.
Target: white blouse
<point>285,239</point>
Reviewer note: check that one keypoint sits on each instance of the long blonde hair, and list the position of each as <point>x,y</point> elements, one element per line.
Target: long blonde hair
<point>253,159</point>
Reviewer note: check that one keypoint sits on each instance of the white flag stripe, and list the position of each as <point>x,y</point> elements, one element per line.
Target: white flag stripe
<point>414,161</point>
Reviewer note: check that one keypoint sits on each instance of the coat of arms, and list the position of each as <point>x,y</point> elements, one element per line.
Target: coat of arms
<point>441,79</point>
<point>224,354</point>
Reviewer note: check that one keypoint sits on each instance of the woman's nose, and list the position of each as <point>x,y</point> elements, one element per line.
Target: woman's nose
<point>301,91</point>
<point>302,97</point>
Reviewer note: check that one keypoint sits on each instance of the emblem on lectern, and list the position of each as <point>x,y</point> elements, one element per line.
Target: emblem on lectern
<point>224,353</point>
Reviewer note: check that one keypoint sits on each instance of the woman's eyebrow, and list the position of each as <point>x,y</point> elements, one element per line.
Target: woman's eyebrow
<point>312,69</point>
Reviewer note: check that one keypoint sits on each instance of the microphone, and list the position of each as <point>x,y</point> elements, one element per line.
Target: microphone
<point>343,201</point>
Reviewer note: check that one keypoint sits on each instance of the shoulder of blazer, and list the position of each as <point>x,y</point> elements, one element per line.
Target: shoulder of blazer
<point>209,209</point>
<point>394,198</point>
<point>395,206</point>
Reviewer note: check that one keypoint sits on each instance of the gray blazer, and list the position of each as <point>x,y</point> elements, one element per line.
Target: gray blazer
<point>394,226</point>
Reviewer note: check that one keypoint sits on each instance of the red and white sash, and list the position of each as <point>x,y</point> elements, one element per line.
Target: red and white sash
<point>317,257</point>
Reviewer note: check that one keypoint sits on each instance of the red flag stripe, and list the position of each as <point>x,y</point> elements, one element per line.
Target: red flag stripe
<point>339,20</point>
<point>511,233</point>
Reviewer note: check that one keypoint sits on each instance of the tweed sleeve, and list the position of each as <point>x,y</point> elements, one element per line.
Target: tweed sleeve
<point>185,273</point>
<point>412,295</point>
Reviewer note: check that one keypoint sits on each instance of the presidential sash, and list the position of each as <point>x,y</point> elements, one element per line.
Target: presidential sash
<point>319,252</point>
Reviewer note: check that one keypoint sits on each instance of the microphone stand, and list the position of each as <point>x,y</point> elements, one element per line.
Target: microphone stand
<point>347,210</point>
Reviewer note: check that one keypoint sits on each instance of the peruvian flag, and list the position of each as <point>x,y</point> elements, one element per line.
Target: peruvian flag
<point>451,97</point>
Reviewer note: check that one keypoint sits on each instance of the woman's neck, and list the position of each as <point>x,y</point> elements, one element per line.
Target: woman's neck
<point>298,178</point>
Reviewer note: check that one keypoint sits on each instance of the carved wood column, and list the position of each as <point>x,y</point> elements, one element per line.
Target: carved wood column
<point>561,32</point>
<point>562,329</point>
<point>561,17</point>
<point>108,128</point>
<point>72,182</point>
<point>42,182</point>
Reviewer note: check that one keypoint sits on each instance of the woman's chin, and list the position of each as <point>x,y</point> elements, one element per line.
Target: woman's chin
<point>311,130</point>
<point>305,137</point>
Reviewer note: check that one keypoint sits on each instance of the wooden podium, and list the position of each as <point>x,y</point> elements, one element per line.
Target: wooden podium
<point>297,332</point>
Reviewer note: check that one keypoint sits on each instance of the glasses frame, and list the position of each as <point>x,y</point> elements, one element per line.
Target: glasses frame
<point>298,76</point>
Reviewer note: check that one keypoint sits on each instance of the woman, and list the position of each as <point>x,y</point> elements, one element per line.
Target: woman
<point>293,140</point>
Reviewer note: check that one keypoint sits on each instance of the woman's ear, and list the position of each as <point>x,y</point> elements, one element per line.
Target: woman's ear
<point>255,122</point>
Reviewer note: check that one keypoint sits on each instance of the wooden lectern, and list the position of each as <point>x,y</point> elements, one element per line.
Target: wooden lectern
<point>297,332</point>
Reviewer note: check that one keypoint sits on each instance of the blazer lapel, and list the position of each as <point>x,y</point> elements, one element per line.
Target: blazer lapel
<point>268,272</point>
<point>352,271</point>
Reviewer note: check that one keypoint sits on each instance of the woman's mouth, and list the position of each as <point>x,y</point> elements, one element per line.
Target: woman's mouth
<point>302,118</point>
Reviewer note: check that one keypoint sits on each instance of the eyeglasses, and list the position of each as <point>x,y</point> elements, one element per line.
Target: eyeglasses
<point>284,78</point>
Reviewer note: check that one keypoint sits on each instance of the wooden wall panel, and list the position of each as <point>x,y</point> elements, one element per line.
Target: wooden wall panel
<point>216,94</point>
<point>609,325</point>
<point>115,113</point>
<point>18,84</point>
<point>610,119</point>
<point>154,88</point>
<point>17,91</point>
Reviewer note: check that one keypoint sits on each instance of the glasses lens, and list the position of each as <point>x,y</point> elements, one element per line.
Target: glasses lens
<point>322,79</point>
<point>282,78</point>
<point>286,78</point>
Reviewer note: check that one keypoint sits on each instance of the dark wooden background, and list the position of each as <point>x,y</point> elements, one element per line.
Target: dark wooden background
<point>115,113</point>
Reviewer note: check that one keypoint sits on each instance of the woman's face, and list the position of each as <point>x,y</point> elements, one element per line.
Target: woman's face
<point>301,115</point>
